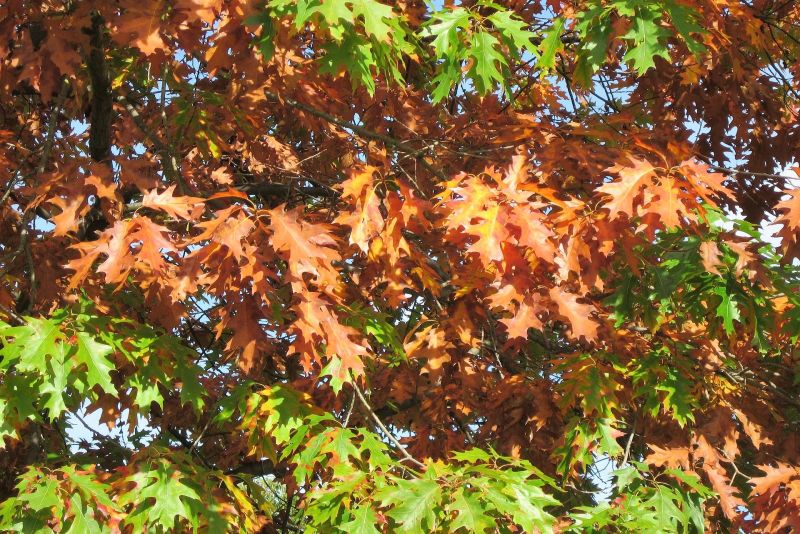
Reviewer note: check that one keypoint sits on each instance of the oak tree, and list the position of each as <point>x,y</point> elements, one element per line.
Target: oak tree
<point>372,266</point>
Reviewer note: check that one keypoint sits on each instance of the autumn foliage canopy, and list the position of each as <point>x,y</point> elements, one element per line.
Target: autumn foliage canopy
<point>368,266</point>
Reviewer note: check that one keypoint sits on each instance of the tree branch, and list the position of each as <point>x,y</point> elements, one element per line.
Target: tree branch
<point>100,116</point>
<point>383,428</point>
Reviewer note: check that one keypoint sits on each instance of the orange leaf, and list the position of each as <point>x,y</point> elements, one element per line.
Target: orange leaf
<point>628,188</point>
<point>576,313</point>
<point>180,207</point>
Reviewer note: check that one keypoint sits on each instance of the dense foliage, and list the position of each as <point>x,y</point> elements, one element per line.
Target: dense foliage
<point>371,266</point>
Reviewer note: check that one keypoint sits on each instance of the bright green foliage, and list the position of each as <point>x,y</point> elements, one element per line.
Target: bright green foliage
<point>672,394</point>
<point>41,499</point>
<point>487,58</point>
<point>668,502</point>
<point>161,494</point>
<point>94,355</point>
<point>165,490</point>
<point>646,37</point>
<point>367,37</point>
<point>413,503</point>
<point>679,287</point>
<point>52,364</point>
<point>475,491</point>
<point>376,326</point>
<point>552,43</point>
<point>464,40</point>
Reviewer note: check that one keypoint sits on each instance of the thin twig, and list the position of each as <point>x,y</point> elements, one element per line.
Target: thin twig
<point>629,443</point>
<point>169,162</point>
<point>383,428</point>
<point>402,146</point>
<point>24,245</point>
<point>349,411</point>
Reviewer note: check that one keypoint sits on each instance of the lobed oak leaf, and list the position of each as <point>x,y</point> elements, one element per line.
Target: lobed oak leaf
<point>140,173</point>
<point>180,207</point>
<point>103,183</point>
<point>577,314</point>
<point>672,457</point>
<point>753,430</point>
<point>534,234</point>
<point>492,235</point>
<point>119,261</point>
<point>705,182</point>
<point>358,181</point>
<point>311,311</point>
<point>72,209</point>
<point>222,176</point>
<point>229,227</point>
<point>473,197</point>
<point>728,498</point>
<point>773,478</point>
<point>517,173</point>
<point>247,334</point>
<point>710,255</point>
<point>345,356</point>
<point>525,318</point>
<point>308,246</point>
<point>152,242</point>
<point>365,221</point>
<point>140,26</point>
<point>624,192</point>
<point>667,202</point>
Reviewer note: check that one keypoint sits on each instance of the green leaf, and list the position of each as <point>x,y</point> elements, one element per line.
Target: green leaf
<point>684,19</point>
<point>512,29</point>
<point>444,27</point>
<point>82,520</point>
<point>594,27</point>
<point>413,504</point>
<point>678,400</point>
<point>473,455</point>
<point>370,443</point>
<point>93,354</point>
<point>333,13</point>
<point>691,480</point>
<point>55,385</point>
<point>647,38</point>
<point>354,54</point>
<point>552,44</point>
<point>727,310</point>
<point>147,385</point>
<point>374,15</point>
<point>160,496</point>
<point>340,445</point>
<point>485,51</point>
<point>449,75</point>
<point>470,512</point>
<point>364,521</point>
<point>43,497</point>
<point>625,476</point>
<point>90,487</point>
<point>34,343</point>
<point>524,501</point>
